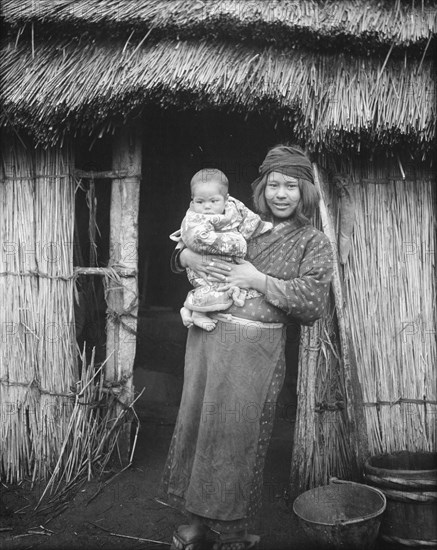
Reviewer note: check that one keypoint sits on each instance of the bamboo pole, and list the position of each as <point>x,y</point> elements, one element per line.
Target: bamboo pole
<point>122,296</point>
<point>354,407</point>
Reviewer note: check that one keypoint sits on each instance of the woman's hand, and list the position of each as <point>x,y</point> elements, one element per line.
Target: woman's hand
<point>216,270</point>
<point>209,267</point>
<point>246,275</point>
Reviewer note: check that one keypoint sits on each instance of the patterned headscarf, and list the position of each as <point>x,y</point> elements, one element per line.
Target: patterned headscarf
<point>288,160</point>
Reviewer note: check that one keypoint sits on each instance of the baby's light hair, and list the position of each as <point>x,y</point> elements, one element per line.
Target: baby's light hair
<point>207,175</point>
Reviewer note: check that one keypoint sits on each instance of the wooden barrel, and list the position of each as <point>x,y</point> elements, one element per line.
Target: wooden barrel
<point>409,482</point>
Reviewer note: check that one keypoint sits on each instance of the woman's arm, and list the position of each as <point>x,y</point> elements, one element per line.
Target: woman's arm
<point>304,297</point>
<point>175,264</point>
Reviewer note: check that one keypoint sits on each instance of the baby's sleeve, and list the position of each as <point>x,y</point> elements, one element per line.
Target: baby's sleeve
<point>251,224</point>
<point>200,235</point>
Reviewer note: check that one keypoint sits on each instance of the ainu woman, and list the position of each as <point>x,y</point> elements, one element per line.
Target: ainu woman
<point>233,375</point>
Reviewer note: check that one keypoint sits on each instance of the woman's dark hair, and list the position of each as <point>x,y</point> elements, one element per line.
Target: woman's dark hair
<point>309,198</point>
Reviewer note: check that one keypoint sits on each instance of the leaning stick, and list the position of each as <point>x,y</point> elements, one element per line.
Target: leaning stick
<point>139,539</point>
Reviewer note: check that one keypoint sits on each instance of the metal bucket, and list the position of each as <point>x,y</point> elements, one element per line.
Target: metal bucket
<point>343,515</point>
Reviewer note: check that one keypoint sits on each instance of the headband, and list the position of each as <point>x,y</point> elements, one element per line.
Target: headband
<point>287,160</point>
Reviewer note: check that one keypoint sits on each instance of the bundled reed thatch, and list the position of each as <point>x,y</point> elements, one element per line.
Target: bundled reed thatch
<point>389,310</point>
<point>322,431</point>
<point>391,295</point>
<point>237,55</point>
<point>92,433</point>
<point>330,101</point>
<point>369,25</point>
<point>37,362</point>
<point>327,440</point>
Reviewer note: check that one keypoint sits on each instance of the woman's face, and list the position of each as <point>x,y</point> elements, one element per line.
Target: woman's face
<point>282,194</point>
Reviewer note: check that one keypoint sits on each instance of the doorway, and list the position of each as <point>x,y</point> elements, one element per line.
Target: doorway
<point>176,144</point>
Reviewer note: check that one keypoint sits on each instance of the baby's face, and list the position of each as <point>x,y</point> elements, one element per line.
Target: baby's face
<point>208,198</point>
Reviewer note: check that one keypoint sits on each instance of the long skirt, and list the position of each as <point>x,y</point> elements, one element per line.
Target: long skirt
<point>215,464</point>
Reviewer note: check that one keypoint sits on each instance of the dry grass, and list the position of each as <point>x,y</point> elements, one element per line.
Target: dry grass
<point>333,455</point>
<point>37,362</point>
<point>391,295</point>
<point>391,22</point>
<point>91,437</point>
<point>390,301</point>
<point>56,87</point>
<point>321,439</point>
<point>58,422</point>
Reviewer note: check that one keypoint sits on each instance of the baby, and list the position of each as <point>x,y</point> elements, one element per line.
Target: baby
<point>215,224</point>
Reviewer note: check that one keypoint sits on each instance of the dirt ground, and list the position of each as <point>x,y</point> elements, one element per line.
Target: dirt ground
<point>126,506</point>
<point>125,510</point>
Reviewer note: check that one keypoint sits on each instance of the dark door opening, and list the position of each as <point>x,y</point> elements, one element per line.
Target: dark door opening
<point>175,145</point>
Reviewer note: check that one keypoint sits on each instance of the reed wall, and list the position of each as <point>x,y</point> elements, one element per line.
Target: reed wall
<point>389,295</point>
<point>390,289</point>
<point>323,431</point>
<point>37,362</point>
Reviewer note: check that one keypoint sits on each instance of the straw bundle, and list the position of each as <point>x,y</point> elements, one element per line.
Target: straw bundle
<point>332,452</point>
<point>37,362</point>
<point>330,101</point>
<point>322,433</point>
<point>391,295</point>
<point>91,436</point>
<point>325,24</point>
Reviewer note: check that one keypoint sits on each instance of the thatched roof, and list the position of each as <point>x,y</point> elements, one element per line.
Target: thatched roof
<point>86,64</point>
<point>321,24</point>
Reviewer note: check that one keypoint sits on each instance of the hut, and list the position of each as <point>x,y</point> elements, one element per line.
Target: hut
<point>133,96</point>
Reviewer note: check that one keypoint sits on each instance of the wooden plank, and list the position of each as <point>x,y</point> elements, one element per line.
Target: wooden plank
<point>107,174</point>
<point>122,297</point>
<point>121,272</point>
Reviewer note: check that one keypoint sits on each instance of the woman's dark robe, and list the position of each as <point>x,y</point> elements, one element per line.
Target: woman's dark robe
<point>232,379</point>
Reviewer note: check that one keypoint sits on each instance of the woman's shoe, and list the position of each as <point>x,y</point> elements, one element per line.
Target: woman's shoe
<point>241,543</point>
<point>188,537</point>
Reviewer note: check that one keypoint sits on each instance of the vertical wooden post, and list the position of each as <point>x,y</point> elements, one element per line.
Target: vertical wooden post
<point>122,296</point>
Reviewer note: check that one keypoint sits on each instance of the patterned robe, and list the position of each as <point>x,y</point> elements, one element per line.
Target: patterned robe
<point>232,379</point>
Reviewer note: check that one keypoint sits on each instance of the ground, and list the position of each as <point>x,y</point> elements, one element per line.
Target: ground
<point>126,506</point>
<point>122,512</point>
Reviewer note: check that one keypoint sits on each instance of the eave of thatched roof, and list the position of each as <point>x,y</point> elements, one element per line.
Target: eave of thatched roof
<point>59,87</point>
<point>353,25</point>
